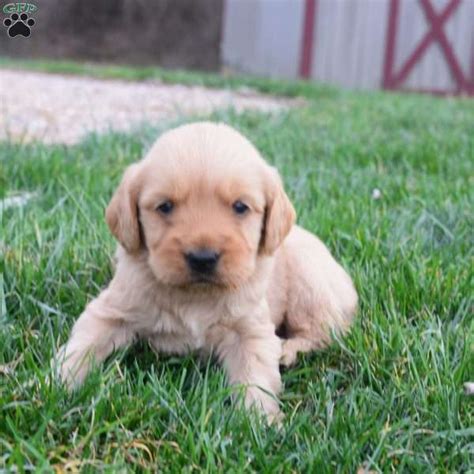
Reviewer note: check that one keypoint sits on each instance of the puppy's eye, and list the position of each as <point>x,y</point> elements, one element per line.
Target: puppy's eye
<point>240,207</point>
<point>165,207</point>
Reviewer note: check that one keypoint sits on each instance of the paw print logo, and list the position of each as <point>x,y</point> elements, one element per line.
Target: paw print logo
<point>19,25</point>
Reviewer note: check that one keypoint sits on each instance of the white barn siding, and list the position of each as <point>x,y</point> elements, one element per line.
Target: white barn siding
<point>263,36</point>
<point>349,43</point>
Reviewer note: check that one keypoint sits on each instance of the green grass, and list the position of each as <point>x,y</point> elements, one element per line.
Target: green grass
<point>130,73</point>
<point>388,396</point>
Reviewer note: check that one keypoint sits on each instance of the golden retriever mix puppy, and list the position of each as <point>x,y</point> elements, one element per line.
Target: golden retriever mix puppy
<point>210,260</point>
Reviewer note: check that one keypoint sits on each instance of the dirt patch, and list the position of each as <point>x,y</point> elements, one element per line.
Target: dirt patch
<point>62,109</point>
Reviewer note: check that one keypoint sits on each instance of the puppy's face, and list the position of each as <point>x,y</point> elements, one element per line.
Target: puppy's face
<point>204,205</point>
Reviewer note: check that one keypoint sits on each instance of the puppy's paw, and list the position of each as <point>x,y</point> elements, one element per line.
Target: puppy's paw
<point>289,353</point>
<point>67,369</point>
<point>266,403</point>
<point>276,419</point>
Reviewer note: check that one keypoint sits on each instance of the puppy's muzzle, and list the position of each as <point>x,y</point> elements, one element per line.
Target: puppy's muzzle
<point>203,261</point>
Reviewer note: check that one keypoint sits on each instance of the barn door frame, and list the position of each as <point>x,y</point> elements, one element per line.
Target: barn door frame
<point>435,34</point>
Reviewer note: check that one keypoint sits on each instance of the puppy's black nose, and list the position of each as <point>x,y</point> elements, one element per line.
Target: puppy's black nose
<point>202,261</point>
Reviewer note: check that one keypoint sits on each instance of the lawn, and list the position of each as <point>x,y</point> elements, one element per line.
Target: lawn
<point>388,397</point>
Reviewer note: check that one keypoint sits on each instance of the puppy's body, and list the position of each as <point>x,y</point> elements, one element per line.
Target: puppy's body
<point>266,272</point>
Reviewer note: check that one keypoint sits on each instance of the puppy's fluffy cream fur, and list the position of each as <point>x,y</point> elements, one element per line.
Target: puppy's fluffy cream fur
<point>271,273</point>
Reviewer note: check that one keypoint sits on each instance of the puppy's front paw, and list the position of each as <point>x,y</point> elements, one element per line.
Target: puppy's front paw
<point>68,369</point>
<point>276,419</point>
<point>289,353</point>
<point>266,403</point>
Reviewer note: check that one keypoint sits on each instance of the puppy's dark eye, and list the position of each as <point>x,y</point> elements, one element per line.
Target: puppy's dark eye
<point>240,207</point>
<point>165,207</point>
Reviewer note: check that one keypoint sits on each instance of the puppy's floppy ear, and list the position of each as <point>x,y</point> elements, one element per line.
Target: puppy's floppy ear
<point>122,212</point>
<point>279,215</point>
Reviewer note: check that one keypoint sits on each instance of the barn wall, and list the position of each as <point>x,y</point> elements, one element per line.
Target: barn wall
<point>349,41</point>
<point>262,36</point>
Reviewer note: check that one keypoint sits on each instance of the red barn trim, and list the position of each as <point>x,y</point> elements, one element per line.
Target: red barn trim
<point>309,20</point>
<point>388,80</point>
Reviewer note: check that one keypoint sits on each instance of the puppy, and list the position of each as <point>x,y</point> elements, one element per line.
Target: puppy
<point>209,260</point>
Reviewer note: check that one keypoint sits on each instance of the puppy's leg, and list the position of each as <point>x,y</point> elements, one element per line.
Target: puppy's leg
<point>295,344</point>
<point>97,332</point>
<point>321,297</point>
<point>250,354</point>
<point>310,323</point>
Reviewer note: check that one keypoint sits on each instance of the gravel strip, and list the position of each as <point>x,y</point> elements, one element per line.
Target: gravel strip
<point>62,109</point>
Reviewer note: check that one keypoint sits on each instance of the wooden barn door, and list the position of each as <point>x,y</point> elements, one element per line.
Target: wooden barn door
<point>448,34</point>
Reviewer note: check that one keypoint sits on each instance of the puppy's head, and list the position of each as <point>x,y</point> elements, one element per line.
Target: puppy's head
<point>204,205</point>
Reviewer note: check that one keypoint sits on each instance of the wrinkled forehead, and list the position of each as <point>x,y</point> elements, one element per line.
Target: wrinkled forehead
<point>203,165</point>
